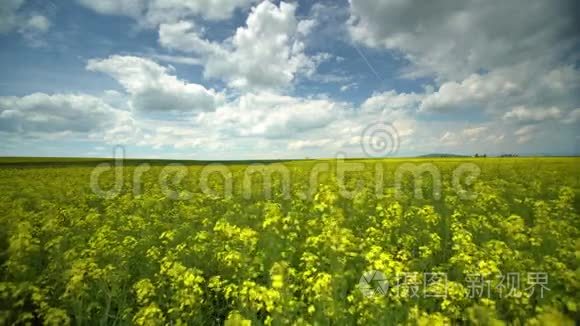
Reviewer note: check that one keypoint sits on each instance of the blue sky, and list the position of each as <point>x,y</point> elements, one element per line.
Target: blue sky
<point>244,79</point>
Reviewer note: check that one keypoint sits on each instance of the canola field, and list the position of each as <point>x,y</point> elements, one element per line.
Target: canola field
<point>191,244</point>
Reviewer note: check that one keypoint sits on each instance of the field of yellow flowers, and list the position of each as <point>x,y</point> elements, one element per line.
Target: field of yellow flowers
<point>508,255</point>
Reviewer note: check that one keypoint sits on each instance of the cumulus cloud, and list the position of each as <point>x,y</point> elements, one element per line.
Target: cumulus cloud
<point>395,109</point>
<point>474,132</point>
<point>524,114</point>
<point>177,59</point>
<point>152,88</point>
<point>391,102</point>
<point>268,53</point>
<point>573,116</point>
<point>510,93</point>
<point>474,90</point>
<point>491,74</point>
<point>561,79</point>
<point>185,36</point>
<point>271,115</point>
<point>526,133</point>
<point>44,113</point>
<point>249,121</point>
<point>453,39</point>
<point>36,23</point>
<point>487,60</point>
<point>153,12</point>
<point>302,144</point>
<point>133,8</point>
<point>31,25</point>
<point>179,137</point>
<point>449,138</point>
<point>33,28</point>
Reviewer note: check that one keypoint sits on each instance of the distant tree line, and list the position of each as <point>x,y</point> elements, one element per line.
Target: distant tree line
<point>509,155</point>
<point>502,155</point>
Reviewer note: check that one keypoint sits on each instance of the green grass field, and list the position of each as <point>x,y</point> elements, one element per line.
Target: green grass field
<point>171,244</point>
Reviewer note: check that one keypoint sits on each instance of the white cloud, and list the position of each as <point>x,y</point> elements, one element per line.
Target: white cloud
<point>327,78</point>
<point>346,87</point>
<point>346,129</point>
<point>466,138</point>
<point>133,8</point>
<point>495,138</point>
<point>30,25</point>
<point>561,79</point>
<point>306,26</point>
<point>271,115</point>
<point>176,134</point>
<point>177,59</point>
<point>33,28</point>
<point>526,133</point>
<point>391,102</point>
<point>524,114</point>
<point>125,131</point>
<point>249,123</point>
<point>154,12</point>
<point>474,90</point>
<point>44,113</point>
<point>185,36</point>
<point>474,132</point>
<point>510,93</point>
<point>397,109</point>
<point>499,83</point>
<point>453,39</point>
<point>37,23</point>
<point>449,139</point>
<point>152,88</point>
<point>302,144</point>
<point>268,53</point>
<point>573,116</point>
